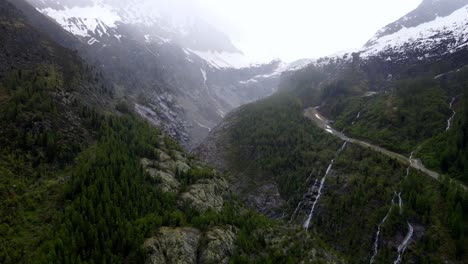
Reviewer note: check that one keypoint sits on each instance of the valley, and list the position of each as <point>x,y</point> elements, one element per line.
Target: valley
<point>130,134</point>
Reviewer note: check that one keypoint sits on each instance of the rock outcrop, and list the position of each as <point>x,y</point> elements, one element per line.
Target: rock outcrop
<point>220,245</point>
<point>173,245</point>
<point>207,194</point>
<point>190,245</point>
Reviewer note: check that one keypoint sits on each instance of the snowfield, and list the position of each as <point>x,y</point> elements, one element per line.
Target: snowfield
<point>426,36</point>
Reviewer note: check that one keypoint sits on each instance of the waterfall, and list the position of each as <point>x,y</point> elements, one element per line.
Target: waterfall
<point>322,183</point>
<point>411,163</point>
<point>400,203</point>
<point>402,247</point>
<point>295,211</point>
<point>379,228</point>
<point>356,118</point>
<point>449,122</point>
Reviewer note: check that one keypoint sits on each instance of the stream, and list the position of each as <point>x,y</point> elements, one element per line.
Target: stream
<point>379,228</point>
<point>322,184</point>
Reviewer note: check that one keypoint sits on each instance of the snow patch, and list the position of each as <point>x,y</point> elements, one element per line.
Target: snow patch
<point>221,60</point>
<point>424,36</point>
<point>202,126</point>
<point>80,20</point>
<point>92,41</point>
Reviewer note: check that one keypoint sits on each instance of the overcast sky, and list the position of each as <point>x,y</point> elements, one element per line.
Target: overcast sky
<point>294,29</point>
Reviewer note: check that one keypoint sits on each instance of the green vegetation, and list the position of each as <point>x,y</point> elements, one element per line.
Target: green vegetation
<point>271,140</point>
<point>74,191</point>
<point>72,186</point>
<point>359,195</point>
<point>400,119</point>
<point>273,136</point>
<point>448,152</point>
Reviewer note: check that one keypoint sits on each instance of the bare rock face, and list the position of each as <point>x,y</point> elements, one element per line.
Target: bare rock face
<point>183,245</point>
<point>168,181</point>
<point>162,172</point>
<point>266,199</point>
<point>260,195</point>
<point>207,194</point>
<point>165,168</point>
<point>220,245</point>
<point>173,245</point>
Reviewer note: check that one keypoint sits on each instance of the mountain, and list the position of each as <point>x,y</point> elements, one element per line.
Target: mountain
<point>357,157</point>
<point>434,29</point>
<point>83,179</point>
<point>177,70</point>
<point>366,149</point>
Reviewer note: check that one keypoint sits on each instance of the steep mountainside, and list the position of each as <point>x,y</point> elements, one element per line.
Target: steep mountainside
<point>393,96</point>
<point>83,180</point>
<point>177,70</point>
<point>402,93</point>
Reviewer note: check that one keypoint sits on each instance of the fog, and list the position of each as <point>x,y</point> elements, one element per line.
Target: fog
<point>294,29</point>
<point>288,29</point>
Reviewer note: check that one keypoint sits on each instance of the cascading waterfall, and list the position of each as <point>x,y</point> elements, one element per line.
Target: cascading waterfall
<point>411,163</point>
<point>400,203</point>
<point>295,211</point>
<point>402,247</point>
<point>449,122</point>
<point>301,203</point>
<point>379,227</point>
<point>308,179</point>
<point>322,183</point>
<point>356,119</point>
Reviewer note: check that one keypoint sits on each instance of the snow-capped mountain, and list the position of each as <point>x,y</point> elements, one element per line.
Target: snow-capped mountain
<point>158,20</point>
<point>435,28</point>
<point>180,72</point>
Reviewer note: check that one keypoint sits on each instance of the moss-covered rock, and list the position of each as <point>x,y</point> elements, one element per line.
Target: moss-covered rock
<point>219,245</point>
<point>206,194</point>
<point>173,245</point>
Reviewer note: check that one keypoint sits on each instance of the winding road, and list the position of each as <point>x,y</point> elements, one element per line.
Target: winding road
<point>322,122</point>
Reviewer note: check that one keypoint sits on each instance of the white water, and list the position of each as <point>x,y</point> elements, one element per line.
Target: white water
<point>202,126</point>
<point>377,235</point>
<point>402,247</point>
<point>400,203</point>
<point>322,183</point>
<point>300,204</point>
<point>449,122</point>
<point>308,179</point>
<point>411,163</point>
<point>357,118</point>
<point>295,211</point>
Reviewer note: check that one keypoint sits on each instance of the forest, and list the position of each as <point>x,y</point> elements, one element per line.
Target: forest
<point>273,138</point>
